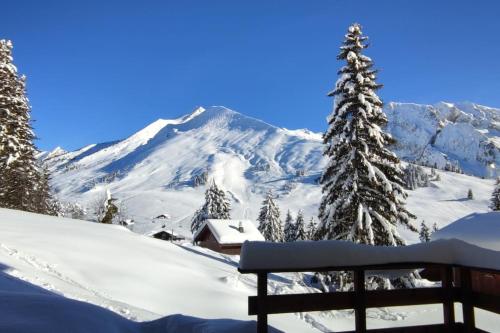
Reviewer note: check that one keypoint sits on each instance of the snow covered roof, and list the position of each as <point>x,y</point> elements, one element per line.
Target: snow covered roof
<point>157,231</point>
<point>481,229</point>
<point>226,231</point>
<point>311,255</point>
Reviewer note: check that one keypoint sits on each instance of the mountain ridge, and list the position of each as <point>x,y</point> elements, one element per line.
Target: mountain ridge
<point>162,167</point>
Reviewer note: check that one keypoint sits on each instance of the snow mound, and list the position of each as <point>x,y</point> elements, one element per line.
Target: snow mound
<point>317,255</point>
<point>36,312</point>
<point>481,229</point>
<point>138,278</point>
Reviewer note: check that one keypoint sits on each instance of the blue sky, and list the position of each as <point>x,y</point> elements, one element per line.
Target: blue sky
<point>100,70</point>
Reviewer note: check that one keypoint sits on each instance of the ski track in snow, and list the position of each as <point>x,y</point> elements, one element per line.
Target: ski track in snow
<point>51,270</point>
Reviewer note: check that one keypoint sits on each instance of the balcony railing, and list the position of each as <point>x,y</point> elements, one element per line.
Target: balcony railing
<point>463,284</point>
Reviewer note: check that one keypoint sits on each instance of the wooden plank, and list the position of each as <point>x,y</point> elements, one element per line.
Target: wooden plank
<point>436,328</point>
<point>448,304</point>
<point>467,307</point>
<point>486,302</point>
<point>302,302</point>
<point>359,301</point>
<point>261,296</point>
<point>346,300</point>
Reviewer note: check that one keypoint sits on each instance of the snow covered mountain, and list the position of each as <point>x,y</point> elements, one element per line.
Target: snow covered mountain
<point>466,135</point>
<point>161,168</point>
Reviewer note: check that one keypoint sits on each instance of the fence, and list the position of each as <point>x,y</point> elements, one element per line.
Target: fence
<point>457,285</point>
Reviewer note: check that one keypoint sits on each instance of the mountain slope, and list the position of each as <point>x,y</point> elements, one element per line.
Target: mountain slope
<point>156,170</point>
<point>464,135</point>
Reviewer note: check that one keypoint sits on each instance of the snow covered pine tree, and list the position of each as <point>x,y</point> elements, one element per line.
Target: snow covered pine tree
<point>289,231</point>
<point>363,198</point>
<point>495,197</point>
<point>22,183</point>
<point>269,220</point>
<point>300,227</point>
<point>311,229</point>
<point>216,206</point>
<point>424,233</point>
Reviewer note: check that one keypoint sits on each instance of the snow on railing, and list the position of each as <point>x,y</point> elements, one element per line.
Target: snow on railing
<point>462,268</point>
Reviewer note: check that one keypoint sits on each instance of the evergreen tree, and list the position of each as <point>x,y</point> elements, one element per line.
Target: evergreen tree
<point>300,227</point>
<point>216,206</point>
<point>470,195</point>
<point>495,197</point>
<point>311,229</point>
<point>22,184</point>
<point>44,203</point>
<point>269,220</point>
<point>289,231</point>
<point>434,227</point>
<point>363,198</point>
<point>424,234</point>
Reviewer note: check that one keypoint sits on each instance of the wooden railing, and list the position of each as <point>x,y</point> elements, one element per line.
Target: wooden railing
<point>456,286</point>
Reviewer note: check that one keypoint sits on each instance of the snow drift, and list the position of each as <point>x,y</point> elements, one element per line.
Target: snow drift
<point>317,255</point>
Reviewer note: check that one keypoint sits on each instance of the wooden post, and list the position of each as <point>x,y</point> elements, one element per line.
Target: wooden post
<point>448,304</point>
<point>467,306</point>
<point>360,305</point>
<point>261,297</point>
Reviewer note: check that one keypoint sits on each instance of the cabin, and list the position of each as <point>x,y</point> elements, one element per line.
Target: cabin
<point>226,236</point>
<point>479,229</point>
<point>167,235</point>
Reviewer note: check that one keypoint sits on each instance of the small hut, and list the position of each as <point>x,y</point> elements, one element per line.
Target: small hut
<point>226,236</point>
<point>167,235</point>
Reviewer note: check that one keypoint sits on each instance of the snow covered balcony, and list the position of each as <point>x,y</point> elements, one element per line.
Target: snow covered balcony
<point>456,260</point>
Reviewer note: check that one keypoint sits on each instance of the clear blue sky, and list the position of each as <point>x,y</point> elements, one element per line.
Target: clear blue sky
<point>100,70</point>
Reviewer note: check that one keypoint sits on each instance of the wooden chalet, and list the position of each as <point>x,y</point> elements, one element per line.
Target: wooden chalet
<point>226,236</point>
<point>167,235</point>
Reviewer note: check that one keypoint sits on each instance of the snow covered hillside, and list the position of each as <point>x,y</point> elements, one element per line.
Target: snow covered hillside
<point>47,262</point>
<point>138,277</point>
<point>159,169</point>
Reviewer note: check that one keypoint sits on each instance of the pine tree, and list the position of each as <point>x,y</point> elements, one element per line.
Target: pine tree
<point>495,197</point>
<point>424,234</point>
<point>470,195</point>
<point>434,227</point>
<point>269,220</point>
<point>289,231</point>
<point>19,174</point>
<point>44,202</point>
<point>311,229</point>
<point>363,198</point>
<point>216,206</point>
<point>300,227</point>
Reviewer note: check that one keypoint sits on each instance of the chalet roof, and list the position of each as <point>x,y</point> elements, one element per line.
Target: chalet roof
<point>226,231</point>
<point>157,231</point>
<point>481,229</point>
